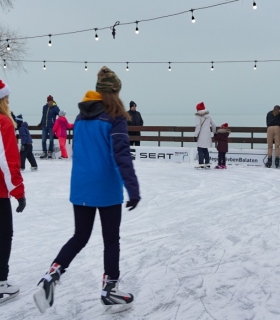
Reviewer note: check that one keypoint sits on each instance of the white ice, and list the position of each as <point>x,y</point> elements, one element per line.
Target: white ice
<point>200,245</point>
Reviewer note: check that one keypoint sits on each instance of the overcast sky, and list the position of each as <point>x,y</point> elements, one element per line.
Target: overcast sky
<point>230,32</point>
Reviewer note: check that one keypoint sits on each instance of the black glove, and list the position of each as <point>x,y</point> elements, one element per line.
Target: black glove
<point>21,205</point>
<point>195,139</point>
<point>22,148</point>
<point>131,204</point>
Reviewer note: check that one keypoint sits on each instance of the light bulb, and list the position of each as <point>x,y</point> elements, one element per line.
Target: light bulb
<point>96,37</point>
<point>8,46</point>
<point>5,66</point>
<point>50,41</point>
<point>169,68</point>
<point>136,29</point>
<point>127,67</point>
<point>254,5</point>
<point>86,66</point>
<point>44,67</point>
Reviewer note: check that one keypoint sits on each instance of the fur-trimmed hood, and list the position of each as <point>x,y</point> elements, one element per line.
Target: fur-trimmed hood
<point>222,130</point>
<point>202,113</point>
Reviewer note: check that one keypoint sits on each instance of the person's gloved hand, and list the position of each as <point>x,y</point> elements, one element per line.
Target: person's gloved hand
<point>131,204</point>
<point>195,139</point>
<point>22,148</point>
<point>21,205</point>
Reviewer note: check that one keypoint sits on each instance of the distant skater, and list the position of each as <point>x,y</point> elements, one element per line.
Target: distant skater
<point>222,137</point>
<point>273,135</point>
<point>203,136</point>
<point>26,149</point>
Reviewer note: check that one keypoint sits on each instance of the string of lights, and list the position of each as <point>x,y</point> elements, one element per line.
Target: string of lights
<point>128,63</point>
<point>118,23</point>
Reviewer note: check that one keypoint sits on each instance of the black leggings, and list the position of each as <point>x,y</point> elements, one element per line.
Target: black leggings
<point>84,219</point>
<point>221,158</point>
<point>6,235</point>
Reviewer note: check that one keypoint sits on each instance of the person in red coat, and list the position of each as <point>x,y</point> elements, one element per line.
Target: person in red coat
<point>60,130</point>
<point>221,136</point>
<point>11,184</point>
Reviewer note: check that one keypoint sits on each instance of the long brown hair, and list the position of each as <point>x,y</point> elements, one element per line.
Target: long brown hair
<point>275,111</point>
<point>114,105</point>
<point>4,109</point>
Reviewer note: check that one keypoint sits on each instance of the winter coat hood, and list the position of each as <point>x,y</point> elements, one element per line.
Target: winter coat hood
<point>202,113</point>
<point>221,130</point>
<point>90,109</point>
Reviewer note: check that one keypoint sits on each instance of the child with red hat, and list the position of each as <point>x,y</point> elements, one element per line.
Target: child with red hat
<point>221,136</point>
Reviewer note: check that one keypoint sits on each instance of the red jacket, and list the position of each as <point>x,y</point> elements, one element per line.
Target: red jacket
<point>60,127</point>
<point>11,182</point>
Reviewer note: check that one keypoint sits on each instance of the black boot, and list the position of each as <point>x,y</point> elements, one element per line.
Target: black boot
<point>277,162</point>
<point>269,162</point>
<point>50,154</point>
<point>44,155</point>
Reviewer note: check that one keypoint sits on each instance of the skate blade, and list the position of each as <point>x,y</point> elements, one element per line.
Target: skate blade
<point>40,300</point>
<point>8,298</point>
<point>117,308</point>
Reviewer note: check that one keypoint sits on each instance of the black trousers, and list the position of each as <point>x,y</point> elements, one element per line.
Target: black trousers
<point>6,235</point>
<point>27,154</point>
<point>203,154</point>
<point>221,158</point>
<point>84,219</point>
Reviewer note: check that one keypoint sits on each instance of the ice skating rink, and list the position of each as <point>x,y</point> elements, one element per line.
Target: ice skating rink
<point>201,245</point>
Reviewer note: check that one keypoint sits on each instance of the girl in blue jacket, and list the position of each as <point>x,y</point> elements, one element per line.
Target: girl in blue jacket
<point>102,165</point>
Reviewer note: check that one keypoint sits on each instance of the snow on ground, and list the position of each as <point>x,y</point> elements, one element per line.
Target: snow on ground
<point>200,245</point>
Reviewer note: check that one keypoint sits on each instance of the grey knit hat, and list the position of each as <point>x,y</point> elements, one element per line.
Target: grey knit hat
<point>62,113</point>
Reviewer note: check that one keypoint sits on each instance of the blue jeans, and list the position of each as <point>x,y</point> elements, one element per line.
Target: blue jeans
<point>47,132</point>
<point>203,154</point>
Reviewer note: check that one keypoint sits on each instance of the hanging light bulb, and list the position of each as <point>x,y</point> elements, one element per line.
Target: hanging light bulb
<point>212,67</point>
<point>96,35</point>
<point>44,67</point>
<point>86,66</point>
<point>8,46</point>
<point>5,66</point>
<point>169,68</point>
<point>255,66</point>
<point>50,40</point>
<point>193,18</point>
<point>254,5</point>
<point>127,67</point>
<point>136,29</point>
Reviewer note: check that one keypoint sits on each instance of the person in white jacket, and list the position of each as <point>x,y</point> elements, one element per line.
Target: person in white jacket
<point>202,135</point>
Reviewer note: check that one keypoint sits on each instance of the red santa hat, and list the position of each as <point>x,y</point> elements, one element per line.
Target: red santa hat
<point>4,90</point>
<point>200,106</point>
<point>224,126</point>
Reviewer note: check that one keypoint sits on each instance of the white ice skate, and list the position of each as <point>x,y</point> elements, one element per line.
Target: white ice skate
<point>7,291</point>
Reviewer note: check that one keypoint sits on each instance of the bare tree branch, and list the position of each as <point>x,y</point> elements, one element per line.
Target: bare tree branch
<point>6,4</point>
<point>17,52</point>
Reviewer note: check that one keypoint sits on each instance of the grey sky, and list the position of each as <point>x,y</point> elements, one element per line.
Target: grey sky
<point>230,32</point>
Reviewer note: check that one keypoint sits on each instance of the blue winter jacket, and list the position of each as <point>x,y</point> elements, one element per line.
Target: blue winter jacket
<point>102,163</point>
<point>49,115</point>
<point>24,133</point>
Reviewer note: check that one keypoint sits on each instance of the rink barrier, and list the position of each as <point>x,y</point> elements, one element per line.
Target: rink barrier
<point>180,135</point>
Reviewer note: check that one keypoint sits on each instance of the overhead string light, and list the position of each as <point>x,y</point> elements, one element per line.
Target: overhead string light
<point>193,18</point>
<point>136,29</point>
<point>254,5</point>
<point>5,65</point>
<point>86,66</point>
<point>169,68</point>
<point>113,28</point>
<point>255,66</point>
<point>212,67</point>
<point>96,35</point>
<point>127,67</point>
<point>50,40</point>
<point>8,45</point>
<point>44,67</point>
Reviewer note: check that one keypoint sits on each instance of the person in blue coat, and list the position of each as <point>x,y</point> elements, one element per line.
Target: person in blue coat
<point>26,149</point>
<point>101,167</point>
<point>49,114</point>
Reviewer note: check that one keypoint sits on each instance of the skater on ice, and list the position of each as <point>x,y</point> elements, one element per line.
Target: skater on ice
<point>203,135</point>
<point>11,184</point>
<point>101,166</point>
<point>221,136</point>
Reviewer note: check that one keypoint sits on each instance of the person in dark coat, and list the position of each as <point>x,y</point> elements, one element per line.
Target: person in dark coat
<point>136,120</point>
<point>26,149</point>
<point>273,135</point>
<point>221,136</point>
<point>49,114</point>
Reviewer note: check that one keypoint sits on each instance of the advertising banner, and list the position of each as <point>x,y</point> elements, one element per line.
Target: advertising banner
<point>160,153</point>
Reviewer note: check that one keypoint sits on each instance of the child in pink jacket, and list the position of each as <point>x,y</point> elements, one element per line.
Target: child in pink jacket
<point>60,130</point>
